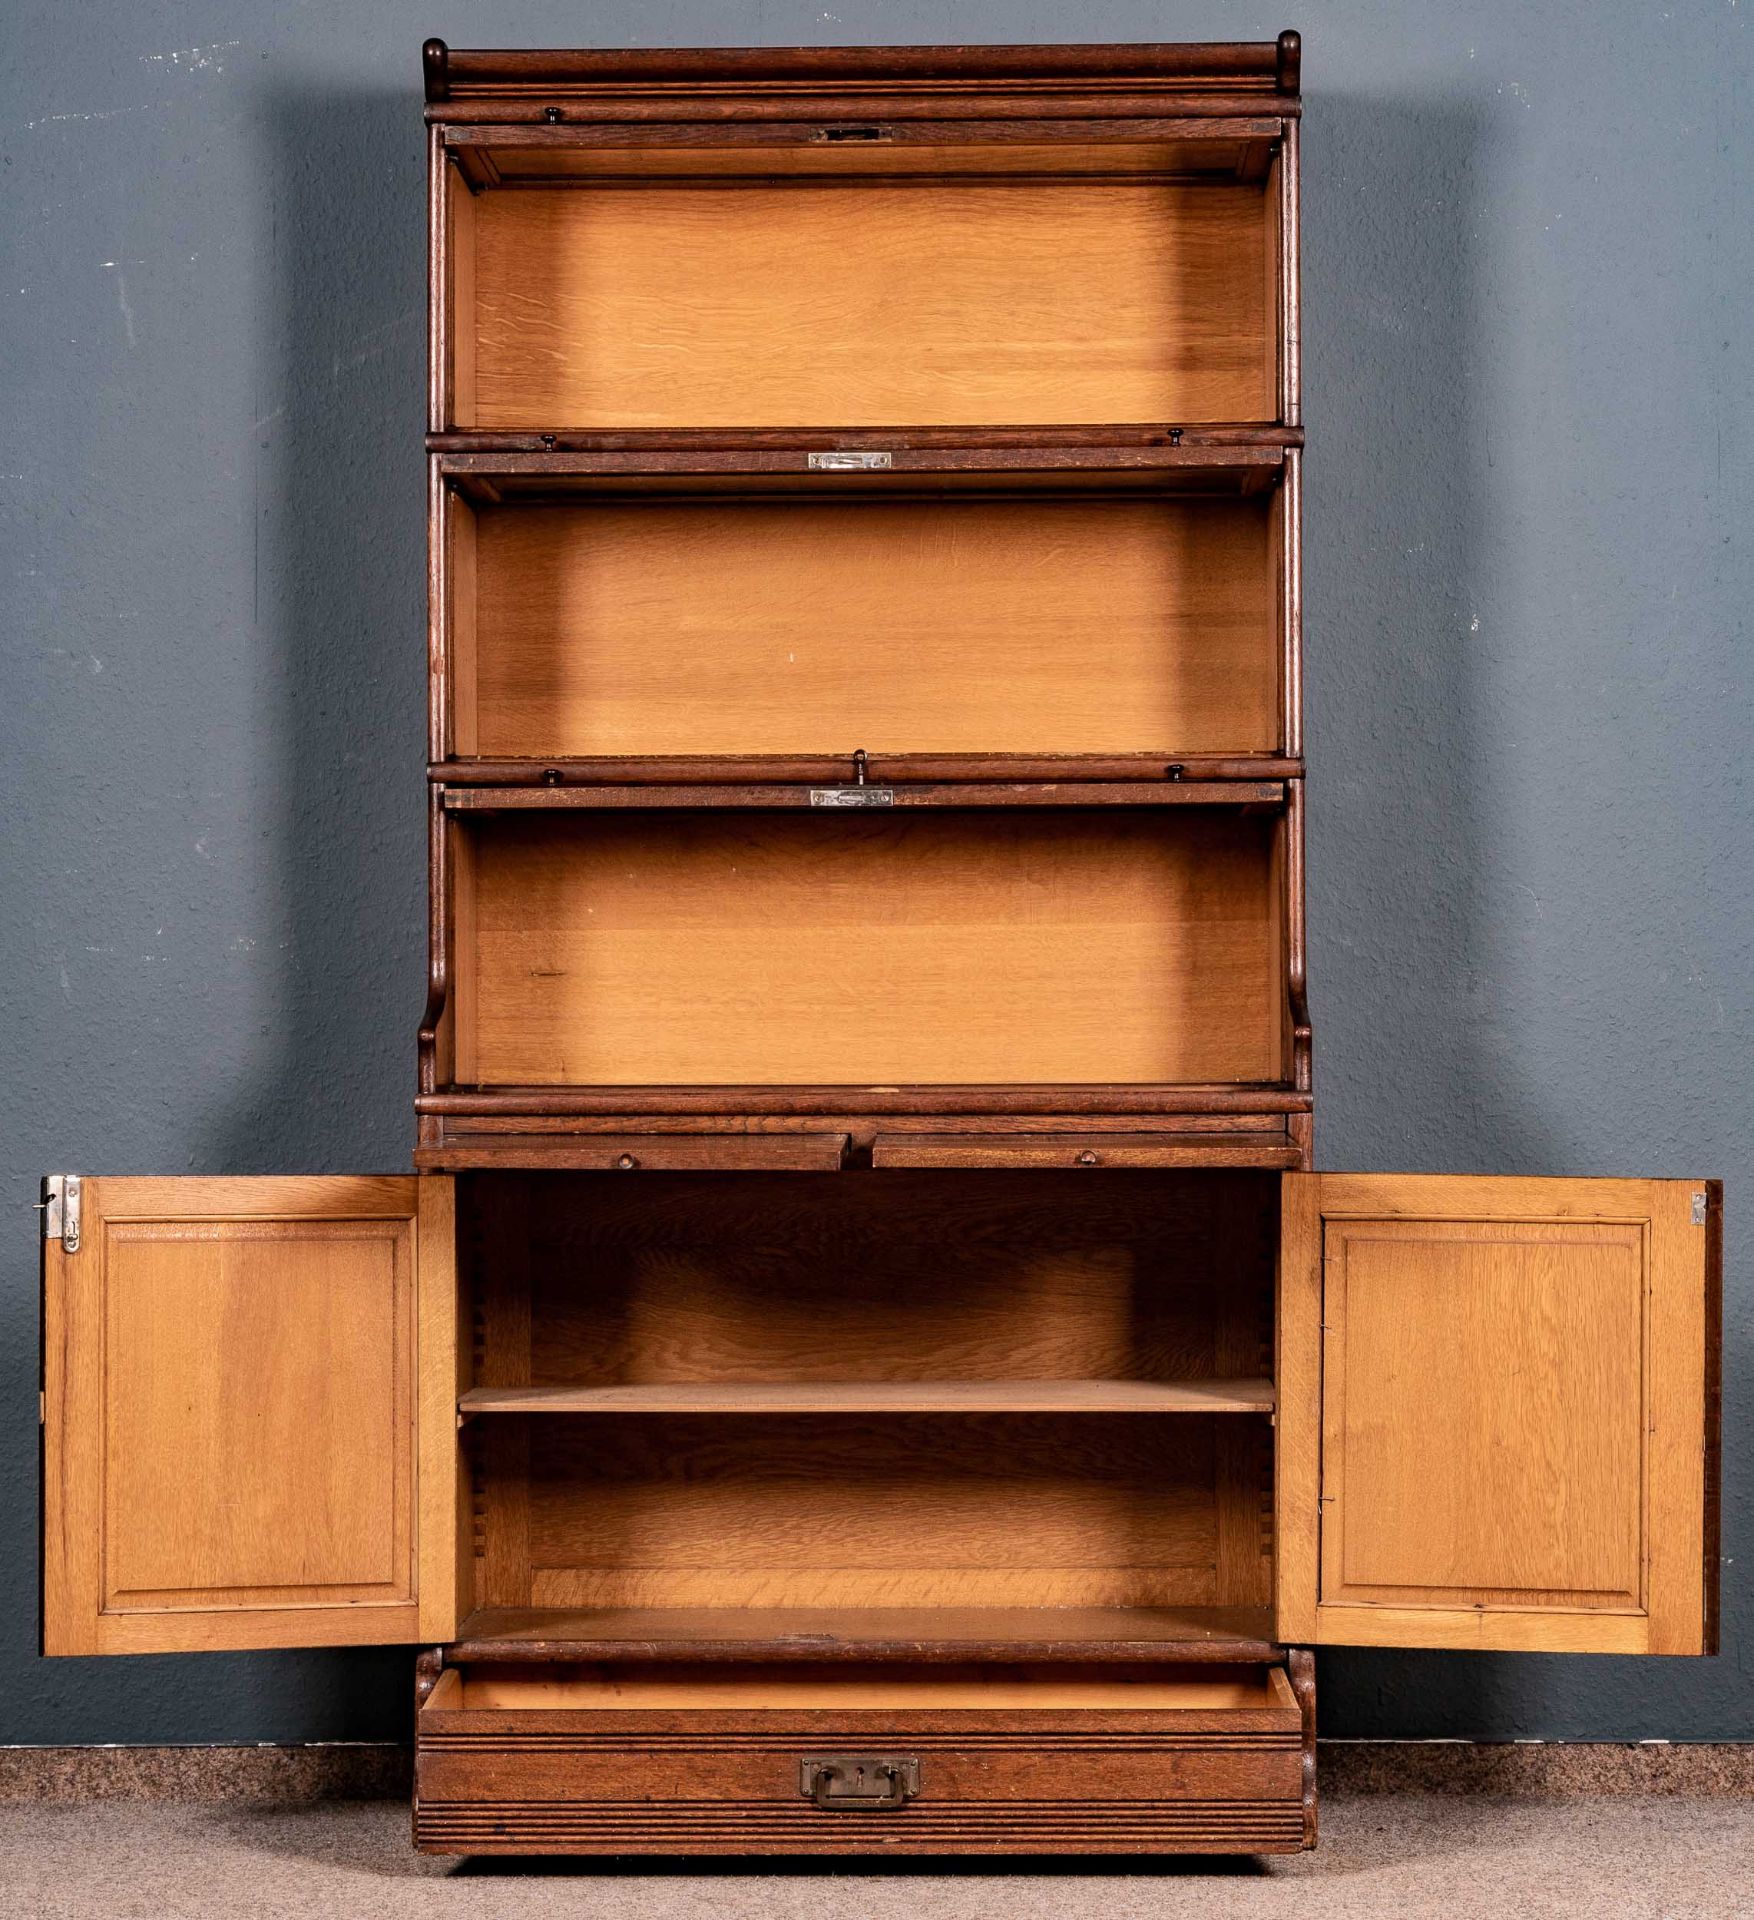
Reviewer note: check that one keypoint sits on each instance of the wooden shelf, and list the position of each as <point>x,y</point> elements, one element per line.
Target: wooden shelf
<point>911,1634</point>
<point>493,467</point>
<point>881,769</point>
<point>882,1396</point>
<point>1257,795</point>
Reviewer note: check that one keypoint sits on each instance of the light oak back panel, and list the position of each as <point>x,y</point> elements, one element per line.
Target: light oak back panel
<point>1095,945</point>
<point>854,1510</point>
<point>824,303</point>
<point>593,1279</point>
<point>1082,625</point>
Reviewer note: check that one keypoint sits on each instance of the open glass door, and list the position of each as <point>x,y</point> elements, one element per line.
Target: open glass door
<point>1498,1413</point>
<point>249,1414</point>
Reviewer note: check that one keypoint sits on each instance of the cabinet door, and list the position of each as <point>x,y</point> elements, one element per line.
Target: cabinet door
<point>249,1415</point>
<point>1498,1413</point>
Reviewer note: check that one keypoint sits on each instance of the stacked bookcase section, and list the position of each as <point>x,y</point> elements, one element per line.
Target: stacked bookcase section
<point>866,801</point>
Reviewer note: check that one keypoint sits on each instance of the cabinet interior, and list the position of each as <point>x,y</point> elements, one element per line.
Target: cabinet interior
<point>939,945</point>
<point>910,619</point>
<point>849,1283</point>
<point>846,282</point>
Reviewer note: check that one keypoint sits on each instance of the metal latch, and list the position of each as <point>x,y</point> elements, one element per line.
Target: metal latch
<point>858,794</point>
<point>1699,1209</point>
<point>859,1782</point>
<point>60,1210</point>
<point>850,462</point>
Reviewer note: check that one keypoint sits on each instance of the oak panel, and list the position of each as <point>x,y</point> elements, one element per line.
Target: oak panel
<point>231,1417</point>
<point>1482,1411</point>
<point>923,626</point>
<point>870,304</point>
<point>1511,1412</point>
<point>693,949</point>
<point>862,1510</point>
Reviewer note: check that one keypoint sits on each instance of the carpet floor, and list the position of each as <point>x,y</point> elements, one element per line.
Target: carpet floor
<point>1404,1856</point>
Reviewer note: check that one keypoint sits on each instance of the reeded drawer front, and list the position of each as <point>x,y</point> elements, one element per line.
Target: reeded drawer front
<point>657,1761</point>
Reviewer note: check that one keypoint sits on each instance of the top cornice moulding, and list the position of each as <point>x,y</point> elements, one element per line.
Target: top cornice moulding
<point>1266,68</point>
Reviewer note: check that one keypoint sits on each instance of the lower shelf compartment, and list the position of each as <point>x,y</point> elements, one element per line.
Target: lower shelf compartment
<point>739,1759</point>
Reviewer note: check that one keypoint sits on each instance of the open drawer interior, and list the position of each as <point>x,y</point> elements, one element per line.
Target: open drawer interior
<point>986,1688</point>
<point>1030,946</point>
<point>901,621</point>
<point>861,283</point>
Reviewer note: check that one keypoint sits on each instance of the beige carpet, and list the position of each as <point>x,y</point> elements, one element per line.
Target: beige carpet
<point>1401,1856</point>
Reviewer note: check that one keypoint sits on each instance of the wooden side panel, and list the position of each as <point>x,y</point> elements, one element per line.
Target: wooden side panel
<point>1051,625</point>
<point>459,295</point>
<point>759,304</point>
<point>1513,1413</point>
<point>1001,948</point>
<point>233,1416</point>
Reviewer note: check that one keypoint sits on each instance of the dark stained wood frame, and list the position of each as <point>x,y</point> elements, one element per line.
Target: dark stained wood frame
<point>483,103</point>
<point>922,96</point>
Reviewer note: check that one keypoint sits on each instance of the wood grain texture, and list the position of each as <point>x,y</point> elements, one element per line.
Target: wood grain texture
<point>989,1510</point>
<point>942,153</point>
<point>1113,1150</point>
<point>1007,1757</point>
<point>778,948</point>
<point>1513,1410</point>
<point>1181,70</point>
<point>443,1349</point>
<point>230,1419</point>
<point>907,1636</point>
<point>642,1152</point>
<point>810,626</point>
<point>1239,1395</point>
<point>1253,796</point>
<point>1000,1276</point>
<point>866,304</point>
<point>660,1689</point>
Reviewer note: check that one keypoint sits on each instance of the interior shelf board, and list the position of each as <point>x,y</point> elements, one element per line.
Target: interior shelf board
<point>924,1634</point>
<point>1246,794</point>
<point>1188,443</point>
<point>882,465</point>
<point>882,1396</point>
<point>881,769</point>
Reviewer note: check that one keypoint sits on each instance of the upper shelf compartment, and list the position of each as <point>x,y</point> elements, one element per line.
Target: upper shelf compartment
<point>863,271</point>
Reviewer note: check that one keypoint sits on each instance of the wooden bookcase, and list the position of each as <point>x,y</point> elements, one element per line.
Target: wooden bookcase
<point>866,780</point>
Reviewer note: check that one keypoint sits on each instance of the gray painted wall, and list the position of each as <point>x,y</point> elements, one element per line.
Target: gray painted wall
<point>1527,269</point>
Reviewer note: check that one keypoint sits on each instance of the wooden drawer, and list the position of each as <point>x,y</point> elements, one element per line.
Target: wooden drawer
<point>990,1759</point>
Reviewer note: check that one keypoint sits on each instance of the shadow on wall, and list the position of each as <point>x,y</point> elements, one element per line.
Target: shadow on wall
<point>340,663</point>
<point>1402,930</point>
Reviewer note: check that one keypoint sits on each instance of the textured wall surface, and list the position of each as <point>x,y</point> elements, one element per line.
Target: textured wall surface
<point>1527,261</point>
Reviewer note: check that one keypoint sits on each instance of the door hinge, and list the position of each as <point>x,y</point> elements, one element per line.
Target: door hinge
<point>1699,1209</point>
<point>60,1210</point>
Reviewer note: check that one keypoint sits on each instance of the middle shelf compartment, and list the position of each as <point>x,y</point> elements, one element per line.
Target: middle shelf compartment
<point>650,948</point>
<point>905,614</point>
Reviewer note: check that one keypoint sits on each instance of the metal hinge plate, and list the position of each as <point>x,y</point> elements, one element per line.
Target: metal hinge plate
<point>1699,1209</point>
<point>847,462</point>
<point>60,1207</point>
<point>852,796</point>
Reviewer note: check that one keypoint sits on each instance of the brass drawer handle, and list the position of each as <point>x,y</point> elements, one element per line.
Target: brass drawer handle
<point>859,1782</point>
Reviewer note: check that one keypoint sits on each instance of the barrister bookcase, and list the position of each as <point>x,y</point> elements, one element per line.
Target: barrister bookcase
<point>865,1364</point>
